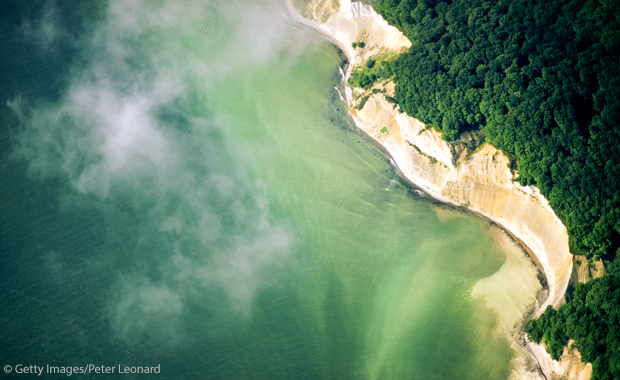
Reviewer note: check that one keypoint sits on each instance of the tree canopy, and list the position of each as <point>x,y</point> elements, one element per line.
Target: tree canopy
<point>541,79</point>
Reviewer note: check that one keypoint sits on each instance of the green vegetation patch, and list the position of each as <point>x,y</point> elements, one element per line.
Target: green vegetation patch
<point>431,159</point>
<point>378,68</point>
<point>362,80</point>
<point>362,102</point>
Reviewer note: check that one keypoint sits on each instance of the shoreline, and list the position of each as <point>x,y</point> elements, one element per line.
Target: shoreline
<point>359,125</point>
<point>544,266</point>
<point>294,13</point>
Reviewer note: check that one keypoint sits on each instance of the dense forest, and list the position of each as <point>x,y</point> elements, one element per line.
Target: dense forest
<point>541,79</point>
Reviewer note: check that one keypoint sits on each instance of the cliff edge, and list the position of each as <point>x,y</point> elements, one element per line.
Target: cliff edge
<point>468,173</point>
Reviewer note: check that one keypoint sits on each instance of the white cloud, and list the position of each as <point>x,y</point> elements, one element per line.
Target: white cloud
<point>107,138</point>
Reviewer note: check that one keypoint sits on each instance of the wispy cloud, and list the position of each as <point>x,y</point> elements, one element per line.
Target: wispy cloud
<point>125,131</point>
<point>45,30</point>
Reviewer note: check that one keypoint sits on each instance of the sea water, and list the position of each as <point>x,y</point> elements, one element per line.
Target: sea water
<point>183,188</point>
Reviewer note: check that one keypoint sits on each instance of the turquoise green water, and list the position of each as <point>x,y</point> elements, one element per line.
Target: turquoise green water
<point>188,191</point>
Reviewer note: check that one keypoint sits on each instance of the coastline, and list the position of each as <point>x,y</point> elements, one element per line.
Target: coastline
<point>361,127</point>
<point>478,183</point>
<point>418,184</point>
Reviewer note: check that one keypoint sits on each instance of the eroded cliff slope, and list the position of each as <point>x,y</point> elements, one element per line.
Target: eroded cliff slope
<point>462,173</point>
<point>468,173</point>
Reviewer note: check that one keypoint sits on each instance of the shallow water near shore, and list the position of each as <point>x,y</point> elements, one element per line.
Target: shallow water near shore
<point>181,185</point>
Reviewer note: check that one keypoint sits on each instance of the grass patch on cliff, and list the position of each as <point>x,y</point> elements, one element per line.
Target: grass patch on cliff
<point>431,159</point>
<point>360,105</point>
<point>377,68</point>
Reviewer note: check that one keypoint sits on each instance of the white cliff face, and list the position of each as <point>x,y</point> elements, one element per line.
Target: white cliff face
<point>569,367</point>
<point>426,139</point>
<point>353,22</point>
<point>481,182</point>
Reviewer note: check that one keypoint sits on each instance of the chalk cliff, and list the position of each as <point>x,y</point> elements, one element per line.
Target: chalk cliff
<point>569,367</point>
<point>481,182</point>
<point>468,173</point>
